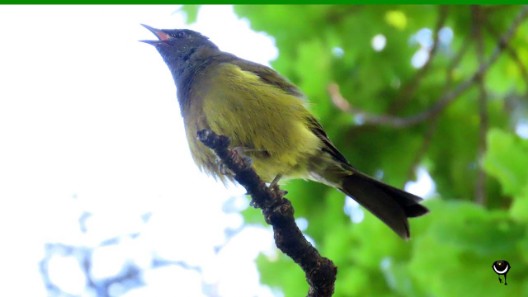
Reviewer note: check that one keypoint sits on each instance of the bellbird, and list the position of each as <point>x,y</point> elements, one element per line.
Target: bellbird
<point>263,113</point>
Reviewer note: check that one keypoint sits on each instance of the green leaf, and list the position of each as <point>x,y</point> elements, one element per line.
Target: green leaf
<point>506,160</point>
<point>281,272</point>
<point>466,240</point>
<point>191,12</point>
<point>519,207</point>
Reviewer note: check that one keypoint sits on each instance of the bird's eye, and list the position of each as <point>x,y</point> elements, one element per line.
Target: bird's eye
<point>180,34</point>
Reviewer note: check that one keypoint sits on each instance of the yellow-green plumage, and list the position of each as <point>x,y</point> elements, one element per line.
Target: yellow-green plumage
<point>264,115</point>
<point>268,123</point>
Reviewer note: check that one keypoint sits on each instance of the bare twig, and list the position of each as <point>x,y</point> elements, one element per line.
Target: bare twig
<point>444,100</point>
<point>407,92</point>
<point>511,52</point>
<point>456,61</point>
<point>278,212</point>
<point>480,185</point>
<point>422,150</point>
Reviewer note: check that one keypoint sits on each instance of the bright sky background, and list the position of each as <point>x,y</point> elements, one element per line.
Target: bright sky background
<point>89,122</point>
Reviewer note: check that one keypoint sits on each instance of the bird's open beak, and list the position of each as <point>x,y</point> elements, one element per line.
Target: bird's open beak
<point>162,36</point>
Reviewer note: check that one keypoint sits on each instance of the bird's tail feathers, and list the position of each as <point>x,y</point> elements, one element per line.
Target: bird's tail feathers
<point>391,205</point>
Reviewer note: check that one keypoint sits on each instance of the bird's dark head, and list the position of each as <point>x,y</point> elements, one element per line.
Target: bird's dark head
<point>177,46</point>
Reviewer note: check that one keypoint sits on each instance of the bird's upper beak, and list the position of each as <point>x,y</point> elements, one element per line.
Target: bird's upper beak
<point>162,36</point>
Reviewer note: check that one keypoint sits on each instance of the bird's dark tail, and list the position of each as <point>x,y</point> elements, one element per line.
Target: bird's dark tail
<point>391,205</point>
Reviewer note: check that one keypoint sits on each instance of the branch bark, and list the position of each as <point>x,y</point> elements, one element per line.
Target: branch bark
<point>278,212</point>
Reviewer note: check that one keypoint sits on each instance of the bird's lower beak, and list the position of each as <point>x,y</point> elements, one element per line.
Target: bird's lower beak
<point>162,36</point>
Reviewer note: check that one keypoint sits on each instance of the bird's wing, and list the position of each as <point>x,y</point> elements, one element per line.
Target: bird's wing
<point>328,147</point>
<point>268,75</point>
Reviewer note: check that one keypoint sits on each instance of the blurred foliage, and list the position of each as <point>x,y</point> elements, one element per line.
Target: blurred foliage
<point>453,247</point>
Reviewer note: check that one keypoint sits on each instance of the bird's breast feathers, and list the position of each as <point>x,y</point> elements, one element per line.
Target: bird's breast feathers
<point>271,125</point>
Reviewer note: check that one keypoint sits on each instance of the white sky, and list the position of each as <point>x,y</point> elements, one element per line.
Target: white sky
<point>87,111</point>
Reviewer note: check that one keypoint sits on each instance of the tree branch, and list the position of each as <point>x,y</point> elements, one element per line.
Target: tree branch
<point>427,139</point>
<point>278,212</point>
<point>480,185</point>
<point>453,64</point>
<point>511,52</point>
<point>409,89</point>
<point>444,100</point>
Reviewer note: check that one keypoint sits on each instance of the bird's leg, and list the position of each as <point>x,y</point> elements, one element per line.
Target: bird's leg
<point>274,185</point>
<point>275,181</point>
<point>242,152</point>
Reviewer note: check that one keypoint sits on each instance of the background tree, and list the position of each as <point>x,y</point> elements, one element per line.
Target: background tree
<point>399,88</point>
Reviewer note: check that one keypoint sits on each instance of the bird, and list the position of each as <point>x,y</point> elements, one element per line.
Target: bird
<point>265,115</point>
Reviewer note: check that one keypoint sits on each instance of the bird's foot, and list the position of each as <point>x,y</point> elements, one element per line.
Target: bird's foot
<point>243,153</point>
